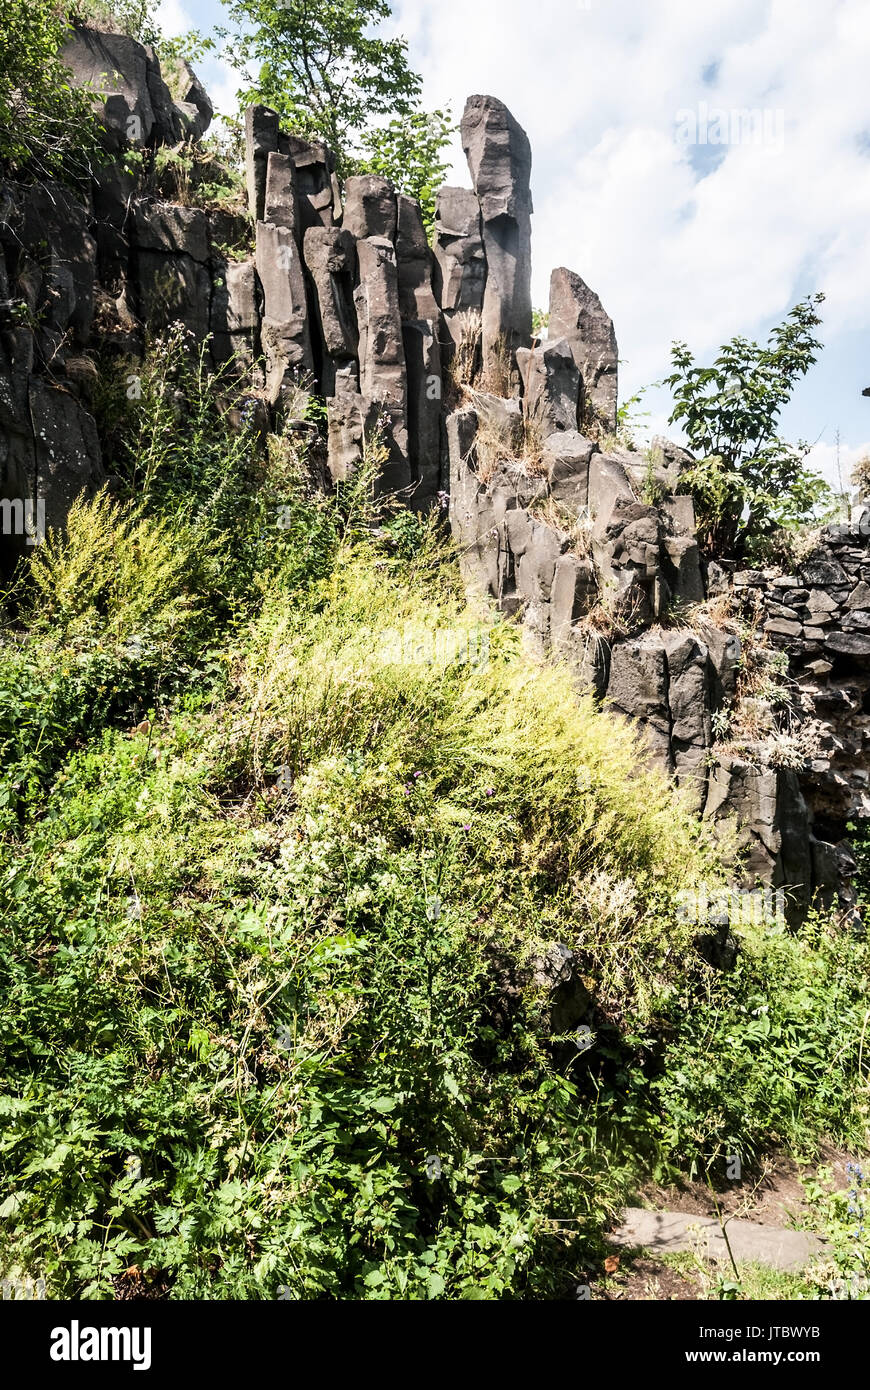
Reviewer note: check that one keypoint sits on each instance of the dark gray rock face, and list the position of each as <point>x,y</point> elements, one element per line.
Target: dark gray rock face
<point>194,105</point>
<point>235,313</point>
<point>551,386</point>
<point>638,687</point>
<point>766,807</point>
<point>171,229</point>
<point>423,365</point>
<point>330,259</point>
<point>383,377</point>
<point>172,289</point>
<point>566,459</point>
<point>577,315</point>
<point>67,454</point>
<point>460,261</point>
<point>370,207</point>
<point>118,69</point>
<point>416,297</point>
<point>500,161</point>
<point>554,522</point>
<point>284,332</point>
<point>280,204</point>
<point>316,183</point>
<point>261,140</point>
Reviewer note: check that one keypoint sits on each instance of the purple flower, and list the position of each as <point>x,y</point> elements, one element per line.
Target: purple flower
<point>418,774</point>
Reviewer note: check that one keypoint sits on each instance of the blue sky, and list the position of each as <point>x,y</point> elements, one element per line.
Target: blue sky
<point>691,220</point>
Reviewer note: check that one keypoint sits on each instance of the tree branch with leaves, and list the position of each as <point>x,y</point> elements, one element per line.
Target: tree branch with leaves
<point>322,66</point>
<point>748,482</point>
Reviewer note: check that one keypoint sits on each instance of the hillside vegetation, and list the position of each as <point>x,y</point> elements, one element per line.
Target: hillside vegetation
<point>294,845</point>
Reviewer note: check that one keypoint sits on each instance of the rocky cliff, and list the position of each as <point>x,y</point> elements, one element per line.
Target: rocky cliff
<point>750,689</point>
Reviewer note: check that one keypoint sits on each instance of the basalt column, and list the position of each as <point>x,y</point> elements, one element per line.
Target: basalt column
<point>500,160</point>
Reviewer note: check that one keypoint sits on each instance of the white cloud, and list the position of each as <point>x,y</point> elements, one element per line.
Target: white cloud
<point>836,464</point>
<point>173,19</point>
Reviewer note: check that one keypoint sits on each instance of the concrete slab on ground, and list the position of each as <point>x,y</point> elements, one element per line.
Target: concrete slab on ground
<point>670,1231</point>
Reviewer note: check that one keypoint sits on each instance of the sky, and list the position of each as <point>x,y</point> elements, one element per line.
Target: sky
<point>703,167</point>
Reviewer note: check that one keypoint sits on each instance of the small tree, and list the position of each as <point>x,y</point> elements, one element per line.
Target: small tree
<point>408,153</point>
<point>326,72</point>
<point>748,482</point>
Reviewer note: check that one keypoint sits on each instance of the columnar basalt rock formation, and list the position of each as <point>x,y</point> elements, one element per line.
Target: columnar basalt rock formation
<point>588,544</point>
<point>577,316</point>
<point>500,159</point>
<point>460,261</point>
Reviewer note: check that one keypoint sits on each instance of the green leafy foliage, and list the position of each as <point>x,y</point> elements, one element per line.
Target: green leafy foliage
<point>133,17</point>
<point>329,74</point>
<point>748,481</point>
<point>409,152</point>
<point>47,128</point>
